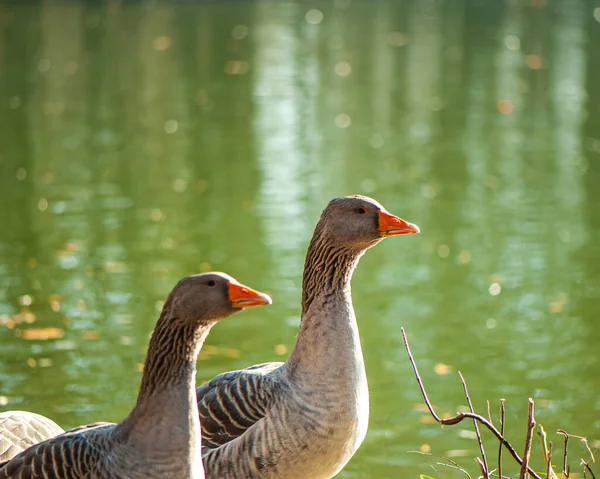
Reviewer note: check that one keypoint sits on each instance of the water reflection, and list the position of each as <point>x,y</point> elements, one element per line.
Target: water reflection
<point>143,142</point>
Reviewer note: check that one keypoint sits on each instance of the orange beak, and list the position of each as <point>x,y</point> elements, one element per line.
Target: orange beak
<point>241,296</point>
<point>390,225</point>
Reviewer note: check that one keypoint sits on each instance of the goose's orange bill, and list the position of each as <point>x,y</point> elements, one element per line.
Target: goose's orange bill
<point>241,296</point>
<point>390,225</point>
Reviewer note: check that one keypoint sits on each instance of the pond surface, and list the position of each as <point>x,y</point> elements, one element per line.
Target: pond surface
<point>141,142</point>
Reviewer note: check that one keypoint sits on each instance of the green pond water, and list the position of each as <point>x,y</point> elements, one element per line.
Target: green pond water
<point>141,142</point>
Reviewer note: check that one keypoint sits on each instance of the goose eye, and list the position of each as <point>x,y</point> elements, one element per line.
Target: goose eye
<point>360,210</point>
<point>211,283</point>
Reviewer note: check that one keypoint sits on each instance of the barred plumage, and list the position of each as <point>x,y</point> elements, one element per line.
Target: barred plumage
<point>20,430</point>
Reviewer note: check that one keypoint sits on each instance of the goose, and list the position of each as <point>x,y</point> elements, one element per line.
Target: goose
<point>149,443</point>
<point>20,430</point>
<point>304,418</point>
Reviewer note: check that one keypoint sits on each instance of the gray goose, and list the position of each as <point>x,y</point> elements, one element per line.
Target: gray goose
<point>304,418</point>
<point>149,443</point>
<point>20,430</point>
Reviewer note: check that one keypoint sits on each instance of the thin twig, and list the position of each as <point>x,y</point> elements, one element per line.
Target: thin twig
<point>502,417</point>
<point>546,452</point>
<point>543,443</point>
<point>587,466</point>
<point>484,471</point>
<point>484,463</point>
<point>527,452</point>
<point>453,464</point>
<point>461,416</point>
<point>565,462</point>
<point>587,446</point>
<point>549,464</point>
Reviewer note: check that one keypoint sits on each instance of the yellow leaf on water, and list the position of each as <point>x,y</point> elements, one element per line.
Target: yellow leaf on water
<point>7,321</point>
<point>41,333</point>
<point>232,353</point>
<point>114,266</point>
<point>71,246</point>
<point>25,316</point>
<point>459,453</point>
<point>209,350</point>
<point>427,420</point>
<point>90,335</point>
<point>236,67</point>
<point>442,369</point>
<point>420,407</point>
<point>281,349</point>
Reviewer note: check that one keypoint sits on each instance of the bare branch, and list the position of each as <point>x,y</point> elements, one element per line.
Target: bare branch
<point>565,462</point>
<point>461,416</point>
<point>587,446</point>
<point>587,467</point>
<point>484,463</point>
<point>527,452</point>
<point>453,464</point>
<point>548,457</point>
<point>502,418</point>
<point>482,467</point>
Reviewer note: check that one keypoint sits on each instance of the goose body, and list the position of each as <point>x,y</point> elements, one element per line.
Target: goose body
<point>149,443</point>
<point>304,418</point>
<point>20,430</point>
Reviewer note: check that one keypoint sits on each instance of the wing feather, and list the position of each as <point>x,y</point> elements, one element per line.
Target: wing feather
<point>232,402</point>
<point>69,455</point>
<point>20,430</point>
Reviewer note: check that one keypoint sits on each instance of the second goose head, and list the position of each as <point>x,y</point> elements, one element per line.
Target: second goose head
<point>207,298</point>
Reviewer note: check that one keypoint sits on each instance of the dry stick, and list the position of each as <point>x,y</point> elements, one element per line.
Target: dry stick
<point>543,443</point>
<point>462,415</point>
<point>546,452</point>
<point>502,416</point>
<point>527,452</point>
<point>565,465</point>
<point>587,466</point>
<point>452,465</point>
<point>549,458</point>
<point>483,465</point>
<point>587,446</point>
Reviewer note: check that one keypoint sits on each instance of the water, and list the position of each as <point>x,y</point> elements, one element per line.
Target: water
<point>140,142</point>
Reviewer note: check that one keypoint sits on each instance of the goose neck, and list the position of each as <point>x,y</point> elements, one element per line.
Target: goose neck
<point>328,268</point>
<point>172,355</point>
